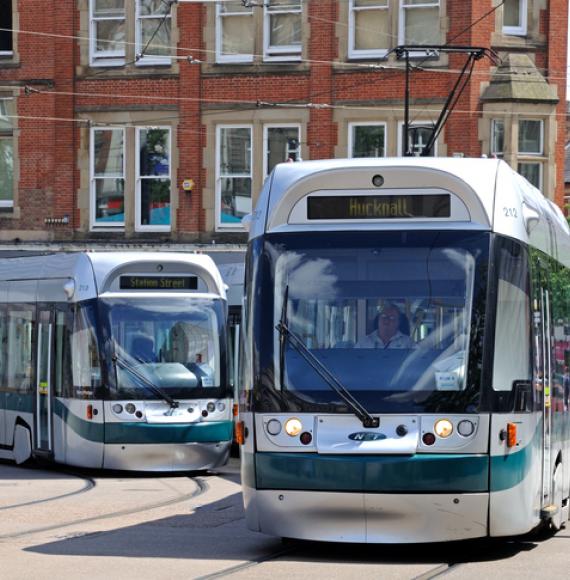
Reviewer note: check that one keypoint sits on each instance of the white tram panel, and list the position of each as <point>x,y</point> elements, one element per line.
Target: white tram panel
<point>468,179</point>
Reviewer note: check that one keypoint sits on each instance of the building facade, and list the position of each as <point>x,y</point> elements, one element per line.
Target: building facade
<point>155,122</point>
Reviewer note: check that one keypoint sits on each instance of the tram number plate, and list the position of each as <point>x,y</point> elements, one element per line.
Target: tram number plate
<point>158,283</point>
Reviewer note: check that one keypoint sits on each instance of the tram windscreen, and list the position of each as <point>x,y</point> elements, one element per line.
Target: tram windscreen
<point>390,315</point>
<point>174,346</point>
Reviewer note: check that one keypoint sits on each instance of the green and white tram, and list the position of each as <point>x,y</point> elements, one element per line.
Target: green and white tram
<point>451,424</point>
<point>114,360</point>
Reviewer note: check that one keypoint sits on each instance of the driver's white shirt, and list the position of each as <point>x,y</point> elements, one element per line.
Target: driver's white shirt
<point>372,340</point>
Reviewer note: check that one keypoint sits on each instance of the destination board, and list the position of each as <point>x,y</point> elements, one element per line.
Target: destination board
<point>368,207</point>
<point>158,283</point>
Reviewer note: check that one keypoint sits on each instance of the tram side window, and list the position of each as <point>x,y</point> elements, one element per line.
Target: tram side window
<point>560,285</point>
<point>62,358</point>
<point>513,351</point>
<point>3,330</point>
<point>86,369</point>
<point>19,351</point>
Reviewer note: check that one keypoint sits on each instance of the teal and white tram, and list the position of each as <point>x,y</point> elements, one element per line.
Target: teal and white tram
<point>405,359</point>
<point>115,360</point>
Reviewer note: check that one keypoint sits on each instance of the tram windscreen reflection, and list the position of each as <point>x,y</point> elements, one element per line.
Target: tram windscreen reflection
<point>379,318</point>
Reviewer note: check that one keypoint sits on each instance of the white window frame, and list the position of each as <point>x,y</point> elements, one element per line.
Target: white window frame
<point>411,126</point>
<point>219,176</point>
<point>540,170</point>
<point>521,29</point>
<point>266,128</point>
<point>290,52</point>
<point>358,53</point>
<point>540,153</point>
<point>107,57</point>
<point>492,151</point>
<point>139,227</point>
<point>151,60</point>
<point>403,6</point>
<point>93,223</point>
<point>351,126</point>
<point>230,58</point>
<point>9,203</point>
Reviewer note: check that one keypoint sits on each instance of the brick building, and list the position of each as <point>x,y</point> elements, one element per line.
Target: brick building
<point>155,122</point>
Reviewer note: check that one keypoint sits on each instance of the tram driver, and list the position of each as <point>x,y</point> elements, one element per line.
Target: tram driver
<point>389,331</point>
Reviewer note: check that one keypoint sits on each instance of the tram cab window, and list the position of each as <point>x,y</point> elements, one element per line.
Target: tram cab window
<point>337,296</point>
<point>86,369</point>
<point>175,344</point>
<point>512,360</point>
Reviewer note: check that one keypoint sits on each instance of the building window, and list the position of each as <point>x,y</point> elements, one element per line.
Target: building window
<point>108,25</point>
<point>233,175</point>
<point>532,172</point>
<point>369,28</point>
<point>110,21</point>
<point>419,22</point>
<point>234,32</point>
<point>531,137</point>
<point>370,25</point>
<point>497,138</point>
<point>280,143</point>
<point>153,32</point>
<point>515,17</point>
<point>418,138</point>
<point>6,154</point>
<point>236,24</point>
<point>153,179</point>
<point>367,140</point>
<point>282,29</point>
<point>107,177</point>
<point>6,43</point>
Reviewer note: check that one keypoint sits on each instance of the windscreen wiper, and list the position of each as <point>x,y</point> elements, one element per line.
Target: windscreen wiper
<point>368,421</point>
<point>120,361</point>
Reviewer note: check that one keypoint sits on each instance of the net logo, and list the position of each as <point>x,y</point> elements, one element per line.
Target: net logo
<point>363,436</point>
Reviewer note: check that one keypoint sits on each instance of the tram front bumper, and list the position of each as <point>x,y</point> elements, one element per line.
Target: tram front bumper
<point>367,517</point>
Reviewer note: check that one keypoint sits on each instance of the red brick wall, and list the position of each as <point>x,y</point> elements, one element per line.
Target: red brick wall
<point>49,178</point>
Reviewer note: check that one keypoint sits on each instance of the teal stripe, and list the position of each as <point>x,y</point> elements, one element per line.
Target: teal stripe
<point>510,469</point>
<point>22,402</point>
<point>428,473</point>
<point>144,433</point>
<point>85,429</point>
<point>210,432</point>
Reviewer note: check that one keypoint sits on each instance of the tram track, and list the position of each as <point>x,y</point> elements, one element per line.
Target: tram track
<point>437,572</point>
<point>89,484</point>
<point>246,565</point>
<point>201,487</point>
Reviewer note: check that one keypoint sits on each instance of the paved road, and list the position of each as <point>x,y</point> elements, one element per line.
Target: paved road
<point>59,523</point>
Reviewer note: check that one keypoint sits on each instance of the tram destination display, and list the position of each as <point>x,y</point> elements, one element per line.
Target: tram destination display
<point>158,283</point>
<point>364,207</point>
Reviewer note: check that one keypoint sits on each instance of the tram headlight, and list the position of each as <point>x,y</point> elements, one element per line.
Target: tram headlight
<point>221,407</point>
<point>130,408</point>
<point>117,408</point>
<point>443,428</point>
<point>211,407</point>
<point>293,427</point>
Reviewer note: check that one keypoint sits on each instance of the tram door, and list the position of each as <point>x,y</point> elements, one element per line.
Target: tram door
<point>43,382</point>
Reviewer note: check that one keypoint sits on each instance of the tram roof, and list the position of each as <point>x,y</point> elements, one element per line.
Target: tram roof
<point>492,185</point>
<point>101,265</point>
